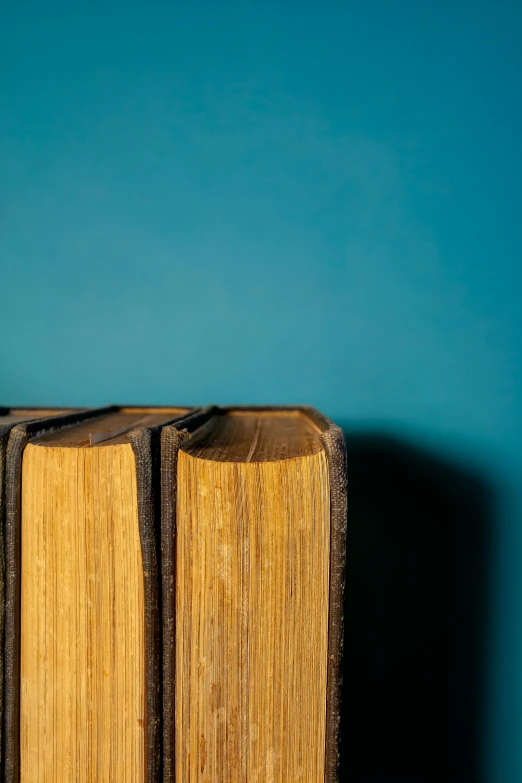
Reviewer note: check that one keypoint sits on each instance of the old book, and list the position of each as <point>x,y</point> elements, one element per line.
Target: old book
<point>83,697</point>
<point>253,536</point>
<point>9,417</point>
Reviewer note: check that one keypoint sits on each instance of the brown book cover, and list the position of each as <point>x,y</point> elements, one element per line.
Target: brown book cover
<point>334,446</point>
<point>145,442</point>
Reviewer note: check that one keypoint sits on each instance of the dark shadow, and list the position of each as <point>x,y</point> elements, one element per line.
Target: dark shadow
<point>418,544</point>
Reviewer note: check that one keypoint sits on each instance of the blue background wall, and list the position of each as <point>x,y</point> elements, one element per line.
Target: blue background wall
<point>276,203</point>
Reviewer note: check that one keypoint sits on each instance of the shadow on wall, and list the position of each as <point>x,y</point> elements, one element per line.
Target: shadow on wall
<point>418,543</point>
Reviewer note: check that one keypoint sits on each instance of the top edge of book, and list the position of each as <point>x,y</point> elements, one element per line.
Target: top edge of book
<point>20,414</point>
<point>109,429</point>
<point>251,435</point>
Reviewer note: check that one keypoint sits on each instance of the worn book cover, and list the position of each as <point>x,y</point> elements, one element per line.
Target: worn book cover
<point>69,478</point>
<point>253,527</point>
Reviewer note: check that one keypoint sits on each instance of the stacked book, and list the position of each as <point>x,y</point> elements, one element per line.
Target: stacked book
<point>171,594</point>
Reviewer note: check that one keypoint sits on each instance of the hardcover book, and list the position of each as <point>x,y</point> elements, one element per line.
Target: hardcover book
<point>9,417</point>
<point>82,643</point>
<point>253,540</point>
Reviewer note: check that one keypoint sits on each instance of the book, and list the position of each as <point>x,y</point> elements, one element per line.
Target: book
<point>253,540</point>
<point>82,645</point>
<point>9,417</point>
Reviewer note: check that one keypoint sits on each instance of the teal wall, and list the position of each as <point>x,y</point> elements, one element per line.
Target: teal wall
<point>280,202</point>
